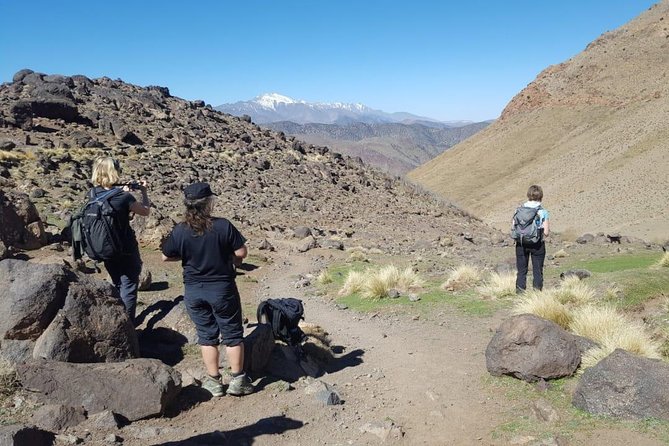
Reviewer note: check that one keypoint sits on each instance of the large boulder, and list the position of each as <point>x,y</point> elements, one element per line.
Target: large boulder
<point>92,326</point>
<point>30,296</point>
<point>54,108</point>
<point>625,385</point>
<point>16,213</point>
<point>20,435</point>
<point>134,389</point>
<point>531,348</point>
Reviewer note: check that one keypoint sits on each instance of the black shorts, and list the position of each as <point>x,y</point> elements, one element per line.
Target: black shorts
<point>215,309</point>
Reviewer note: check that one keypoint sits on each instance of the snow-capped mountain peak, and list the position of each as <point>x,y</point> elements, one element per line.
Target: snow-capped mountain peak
<point>271,100</point>
<point>273,107</point>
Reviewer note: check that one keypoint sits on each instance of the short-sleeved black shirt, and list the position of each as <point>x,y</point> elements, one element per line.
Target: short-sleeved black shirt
<point>207,257</point>
<point>121,204</point>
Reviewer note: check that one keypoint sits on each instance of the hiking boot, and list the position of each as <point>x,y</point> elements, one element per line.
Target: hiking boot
<point>240,385</point>
<point>213,385</point>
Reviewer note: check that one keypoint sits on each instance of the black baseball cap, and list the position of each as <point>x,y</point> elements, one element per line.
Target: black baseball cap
<point>198,190</point>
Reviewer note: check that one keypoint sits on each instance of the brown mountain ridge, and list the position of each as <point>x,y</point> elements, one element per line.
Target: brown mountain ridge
<point>53,126</point>
<point>591,130</point>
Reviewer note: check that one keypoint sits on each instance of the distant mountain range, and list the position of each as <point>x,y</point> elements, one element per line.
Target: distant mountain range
<point>395,142</point>
<point>274,107</point>
<point>393,147</point>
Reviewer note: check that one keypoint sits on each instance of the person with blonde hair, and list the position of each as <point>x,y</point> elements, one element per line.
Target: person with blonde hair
<point>124,268</point>
<point>209,249</point>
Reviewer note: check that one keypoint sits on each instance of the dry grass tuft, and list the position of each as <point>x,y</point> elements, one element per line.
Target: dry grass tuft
<point>561,254</point>
<point>664,261</point>
<point>612,330</point>
<point>357,254</point>
<point>545,305</point>
<point>464,276</point>
<point>353,283</point>
<point>15,155</point>
<point>9,381</point>
<point>499,285</point>
<point>324,277</point>
<point>317,344</point>
<point>375,284</point>
<point>573,291</point>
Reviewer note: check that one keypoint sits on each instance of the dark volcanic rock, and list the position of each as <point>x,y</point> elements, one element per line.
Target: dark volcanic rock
<point>625,385</point>
<point>580,273</point>
<point>134,389</point>
<point>20,435</point>
<point>30,296</point>
<point>91,327</point>
<point>13,230</point>
<point>7,145</point>
<point>531,348</point>
<point>56,417</point>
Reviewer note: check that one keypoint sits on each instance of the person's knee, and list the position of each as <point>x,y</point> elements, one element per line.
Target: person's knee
<point>233,341</point>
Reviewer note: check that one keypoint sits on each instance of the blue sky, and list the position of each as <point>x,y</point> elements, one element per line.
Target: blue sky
<point>443,59</point>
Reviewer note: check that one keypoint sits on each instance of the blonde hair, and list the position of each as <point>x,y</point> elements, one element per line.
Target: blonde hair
<point>106,172</point>
<point>535,193</point>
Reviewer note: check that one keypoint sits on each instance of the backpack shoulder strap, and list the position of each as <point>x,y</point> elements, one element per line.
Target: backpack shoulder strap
<point>108,195</point>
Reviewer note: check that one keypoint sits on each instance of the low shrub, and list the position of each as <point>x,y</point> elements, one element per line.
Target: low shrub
<point>375,284</point>
<point>464,276</point>
<point>499,285</point>
<point>545,305</point>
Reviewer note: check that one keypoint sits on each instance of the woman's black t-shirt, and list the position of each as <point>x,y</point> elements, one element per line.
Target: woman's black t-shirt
<point>207,257</point>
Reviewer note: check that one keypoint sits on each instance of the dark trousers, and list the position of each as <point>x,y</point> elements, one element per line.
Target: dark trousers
<point>124,272</point>
<point>523,254</point>
<point>215,309</point>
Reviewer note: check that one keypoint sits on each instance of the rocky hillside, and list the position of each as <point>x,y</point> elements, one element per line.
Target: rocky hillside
<point>592,130</point>
<point>52,127</point>
<point>393,147</point>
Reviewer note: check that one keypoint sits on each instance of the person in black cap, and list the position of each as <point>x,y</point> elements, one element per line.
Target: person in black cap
<point>209,248</point>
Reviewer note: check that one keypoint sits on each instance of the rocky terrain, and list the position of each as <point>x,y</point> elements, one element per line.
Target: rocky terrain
<point>394,147</point>
<point>408,369</point>
<point>52,127</point>
<point>590,130</point>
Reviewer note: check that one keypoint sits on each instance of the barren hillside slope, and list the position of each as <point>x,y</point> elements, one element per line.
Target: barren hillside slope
<point>53,126</point>
<point>592,130</point>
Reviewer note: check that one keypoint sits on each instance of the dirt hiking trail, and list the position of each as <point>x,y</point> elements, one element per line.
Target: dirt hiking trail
<point>402,378</point>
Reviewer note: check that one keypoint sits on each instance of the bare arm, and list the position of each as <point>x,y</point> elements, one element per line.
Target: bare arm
<point>143,208</point>
<point>240,255</point>
<point>547,227</point>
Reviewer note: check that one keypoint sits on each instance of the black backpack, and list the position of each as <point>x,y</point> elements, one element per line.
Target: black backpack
<point>95,229</point>
<point>526,224</point>
<point>284,316</point>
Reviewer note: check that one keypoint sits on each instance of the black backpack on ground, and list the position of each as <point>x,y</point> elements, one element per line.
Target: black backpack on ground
<point>284,316</point>
<point>95,229</point>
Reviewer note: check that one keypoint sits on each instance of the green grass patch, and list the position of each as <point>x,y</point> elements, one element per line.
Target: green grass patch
<point>619,262</point>
<point>634,274</point>
<point>432,297</point>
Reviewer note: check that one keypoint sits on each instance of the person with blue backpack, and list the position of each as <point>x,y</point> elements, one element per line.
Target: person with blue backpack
<point>104,232</point>
<point>209,249</point>
<point>530,226</point>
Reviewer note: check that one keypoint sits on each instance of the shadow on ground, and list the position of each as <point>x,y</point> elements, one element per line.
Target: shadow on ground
<point>160,342</point>
<point>242,436</point>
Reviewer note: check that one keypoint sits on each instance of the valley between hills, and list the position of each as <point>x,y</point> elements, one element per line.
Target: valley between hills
<point>408,357</point>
